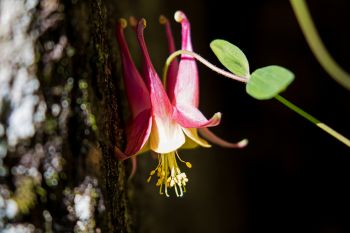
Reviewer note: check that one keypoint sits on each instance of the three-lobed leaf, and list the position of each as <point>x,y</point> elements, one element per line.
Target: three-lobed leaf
<point>231,57</point>
<point>267,82</point>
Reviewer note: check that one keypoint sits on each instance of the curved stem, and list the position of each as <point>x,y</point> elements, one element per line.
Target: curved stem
<point>315,121</point>
<point>319,50</point>
<point>282,100</point>
<point>203,61</point>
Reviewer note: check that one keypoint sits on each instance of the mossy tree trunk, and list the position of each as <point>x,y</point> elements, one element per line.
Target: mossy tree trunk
<point>60,118</point>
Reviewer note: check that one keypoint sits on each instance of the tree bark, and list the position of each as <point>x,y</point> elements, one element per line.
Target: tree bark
<point>60,118</point>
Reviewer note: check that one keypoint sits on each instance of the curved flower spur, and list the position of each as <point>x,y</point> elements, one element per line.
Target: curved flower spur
<point>164,121</point>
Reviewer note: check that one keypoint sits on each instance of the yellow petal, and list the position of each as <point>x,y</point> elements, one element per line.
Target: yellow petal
<point>166,135</point>
<point>144,149</point>
<point>189,144</point>
<point>194,139</point>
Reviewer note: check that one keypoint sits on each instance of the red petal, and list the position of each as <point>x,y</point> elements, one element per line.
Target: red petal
<point>133,167</point>
<point>137,135</point>
<point>160,103</point>
<point>210,136</point>
<point>190,117</point>
<point>174,66</point>
<point>166,134</point>
<point>186,88</point>
<point>137,93</point>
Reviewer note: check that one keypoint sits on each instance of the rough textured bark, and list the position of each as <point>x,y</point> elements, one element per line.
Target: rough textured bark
<point>60,119</point>
<point>60,116</point>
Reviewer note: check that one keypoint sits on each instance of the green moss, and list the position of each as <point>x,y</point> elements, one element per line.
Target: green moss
<point>25,194</point>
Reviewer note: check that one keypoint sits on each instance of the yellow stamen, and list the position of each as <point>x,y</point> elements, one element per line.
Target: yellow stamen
<point>188,164</point>
<point>154,171</point>
<point>169,174</point>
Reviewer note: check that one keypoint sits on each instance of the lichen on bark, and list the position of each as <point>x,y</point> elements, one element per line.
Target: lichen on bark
<point>61,175</point>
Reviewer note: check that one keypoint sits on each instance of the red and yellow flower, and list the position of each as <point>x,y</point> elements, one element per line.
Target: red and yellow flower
<point>165,119</point>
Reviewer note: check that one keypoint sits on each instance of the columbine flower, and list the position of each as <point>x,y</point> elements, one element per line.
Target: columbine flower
<point>165,121</point>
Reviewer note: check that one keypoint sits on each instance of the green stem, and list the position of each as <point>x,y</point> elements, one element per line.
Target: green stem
<point>319,50</point>
<point>284,101</point>
<point>203,61</point>
<point>315,121</point>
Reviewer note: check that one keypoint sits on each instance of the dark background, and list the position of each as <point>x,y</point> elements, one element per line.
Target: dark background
<point>292,177</point>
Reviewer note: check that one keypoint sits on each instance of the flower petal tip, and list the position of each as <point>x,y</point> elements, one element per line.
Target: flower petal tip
<point>163,19</point>
<point>133,167</point>
<point>179,16</point>
<point>217,115</point>
<point>123,23</point>
<point>142,23</point>
<point>211,137</point>
<point>243,143</point>
<point>133,21</point>
<point>216,119</point>
<point>119,154</point>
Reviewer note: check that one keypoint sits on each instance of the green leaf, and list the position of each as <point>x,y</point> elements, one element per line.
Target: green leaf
<point>267,82</point>
<point>231,57</point>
